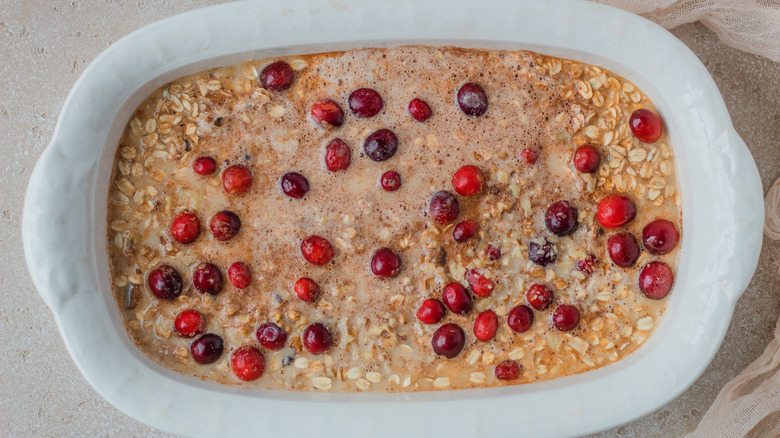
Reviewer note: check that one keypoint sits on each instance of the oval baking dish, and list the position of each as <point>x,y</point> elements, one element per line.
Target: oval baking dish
<point>64,225</point>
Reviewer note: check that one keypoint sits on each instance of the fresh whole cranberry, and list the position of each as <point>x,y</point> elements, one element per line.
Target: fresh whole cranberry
<point>457,298</point>
<point>185,228</point>
<point>645,125</point>
<point>294,185</point>
<point>327,113</point>
<point>239,275</point>
<point>655,280</point>
<point>520,318</point>
<point>587,159</point>
<point>277,76</point>
<point>317,250</point>
<point>224,225</point>
<point>444,207</point>
<point>561,218</point>
<point>189,324</point>
<point>541,252</point>
<point>539,296</point>
<point>204,166</point>
<point>337,155</point>
<point>385,263</point>
<point>390,180</point>
<point>236,179</point>
<point>431,311</point>
<point>448,340</point>
<point>464,230</point>
<point>480,285</point>
<point>365,102</point>
<point>207,349</point>
<point>317,339</point>
<point>207,278</point>
<point>615,211</point>
<point>623,249</point>
<point>307,289</point>
<point>566,317</point>
<point>381,145</point>
<point>468,180</point>
<point>660,237</point>
<point>420,110</point>
<point>165,282</point>
<point>248,363</point>
<point>271,336</point>
<point>588,265</point>
<point>493,253</point>
<point>529,155</point>
<point>508,370</point>
<point>472,99</point>
<point>486,325</point>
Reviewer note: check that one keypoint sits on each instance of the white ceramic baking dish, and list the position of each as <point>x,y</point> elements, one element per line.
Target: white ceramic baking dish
<point>65,213</point>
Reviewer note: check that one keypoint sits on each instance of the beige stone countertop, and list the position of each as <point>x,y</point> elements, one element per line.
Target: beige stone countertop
<point>46,45</point>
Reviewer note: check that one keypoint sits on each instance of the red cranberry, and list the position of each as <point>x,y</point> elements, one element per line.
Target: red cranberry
<point>486,325</point>
<point>588,265</point>
<point>239,275</point>
<point>277,76</point>
<point>655,280</point>
<point>294,185</point>
<point>385,263</point>
<point>561,218</point>
<point>660,237</point>
<point>327,113</point>
<point>444,207</point>
<point>185,228</point>
<point>381,145</point>
<point>566,317</point>
<point>541,252</point>
<point>645,125</point>
<point>390,180</point>
<point>165,282</point>
<point>271,336</point>
<point>520,318</point>
<point>207,278</point>
<point>431,311</point>
<point>529,155</point>
<point>189,324</point>
<point>204,166</point>
<point>448,340</point>
<point>623,249</point>
<point>615,211</point>
<point>207,349</point>
<point>457,298</point>
<point>420,110</point>
<point>236,179</point>
<point>493,253</point>
<point>247,363</point>
<point>224,225</point>
<point>365,102</point>
<point>472,99</point>
<point>317,339</point>
<point>307,289</point>
<point>587,159</point>
<point>337,155</point>
<point>468,180</point>
<point>539,296</point>
<point>317,250</point>
<point>464,230</point>
<point>480,285</point>
<point>508,370</point>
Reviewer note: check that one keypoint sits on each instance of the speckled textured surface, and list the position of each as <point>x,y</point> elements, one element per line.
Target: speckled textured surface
<point>44,47</point>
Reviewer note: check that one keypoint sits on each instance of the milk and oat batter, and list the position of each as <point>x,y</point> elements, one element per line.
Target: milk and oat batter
<point>538,105</point>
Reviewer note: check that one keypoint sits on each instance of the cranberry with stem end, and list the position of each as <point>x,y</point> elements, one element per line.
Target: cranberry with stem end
<point>239,275</point>
<point>529,155</point>
<point>204,166</point>
<point>448,340</point>
<point>306,289</point>
<point>185,228</point>
<point>380,145</point>
<point>277,76</point>
<point>615,211</point>
<point>207,349</point>
<point>224,225</point>
<point>317,250</point>
<point>508,370</point>
<point>431,311</point>
<point>457,298</point>
<point>294,185</point>
<point>655,280</point>
<point>539,296</point>
<point>464,230</point>
<point>365,102</point>
<point>566,317</point>
<point>623,249</point>
<point>588,265</point>
<point>271,336</point>
<point>189,323</point>
<point>520,318</point>
<point>236,179</point>
<point>165,282</point>
<point>587,159</point>
<point>443,207</point>
<point>385,263</point>
<point>541,252</point>
<point>327,113</point>
<point>247,363</point>
<point>468,180</point>
<point>645,125</point>
<point>472,99</point>
<point>561,218</point>
<point>660,237</point>
<point>317,338</point>
<point>390,181</point>
<point>420,110</point>
<point>338,156</point>
<point>486,325</point>
<point>480,285</point>
<point>207,278</point>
